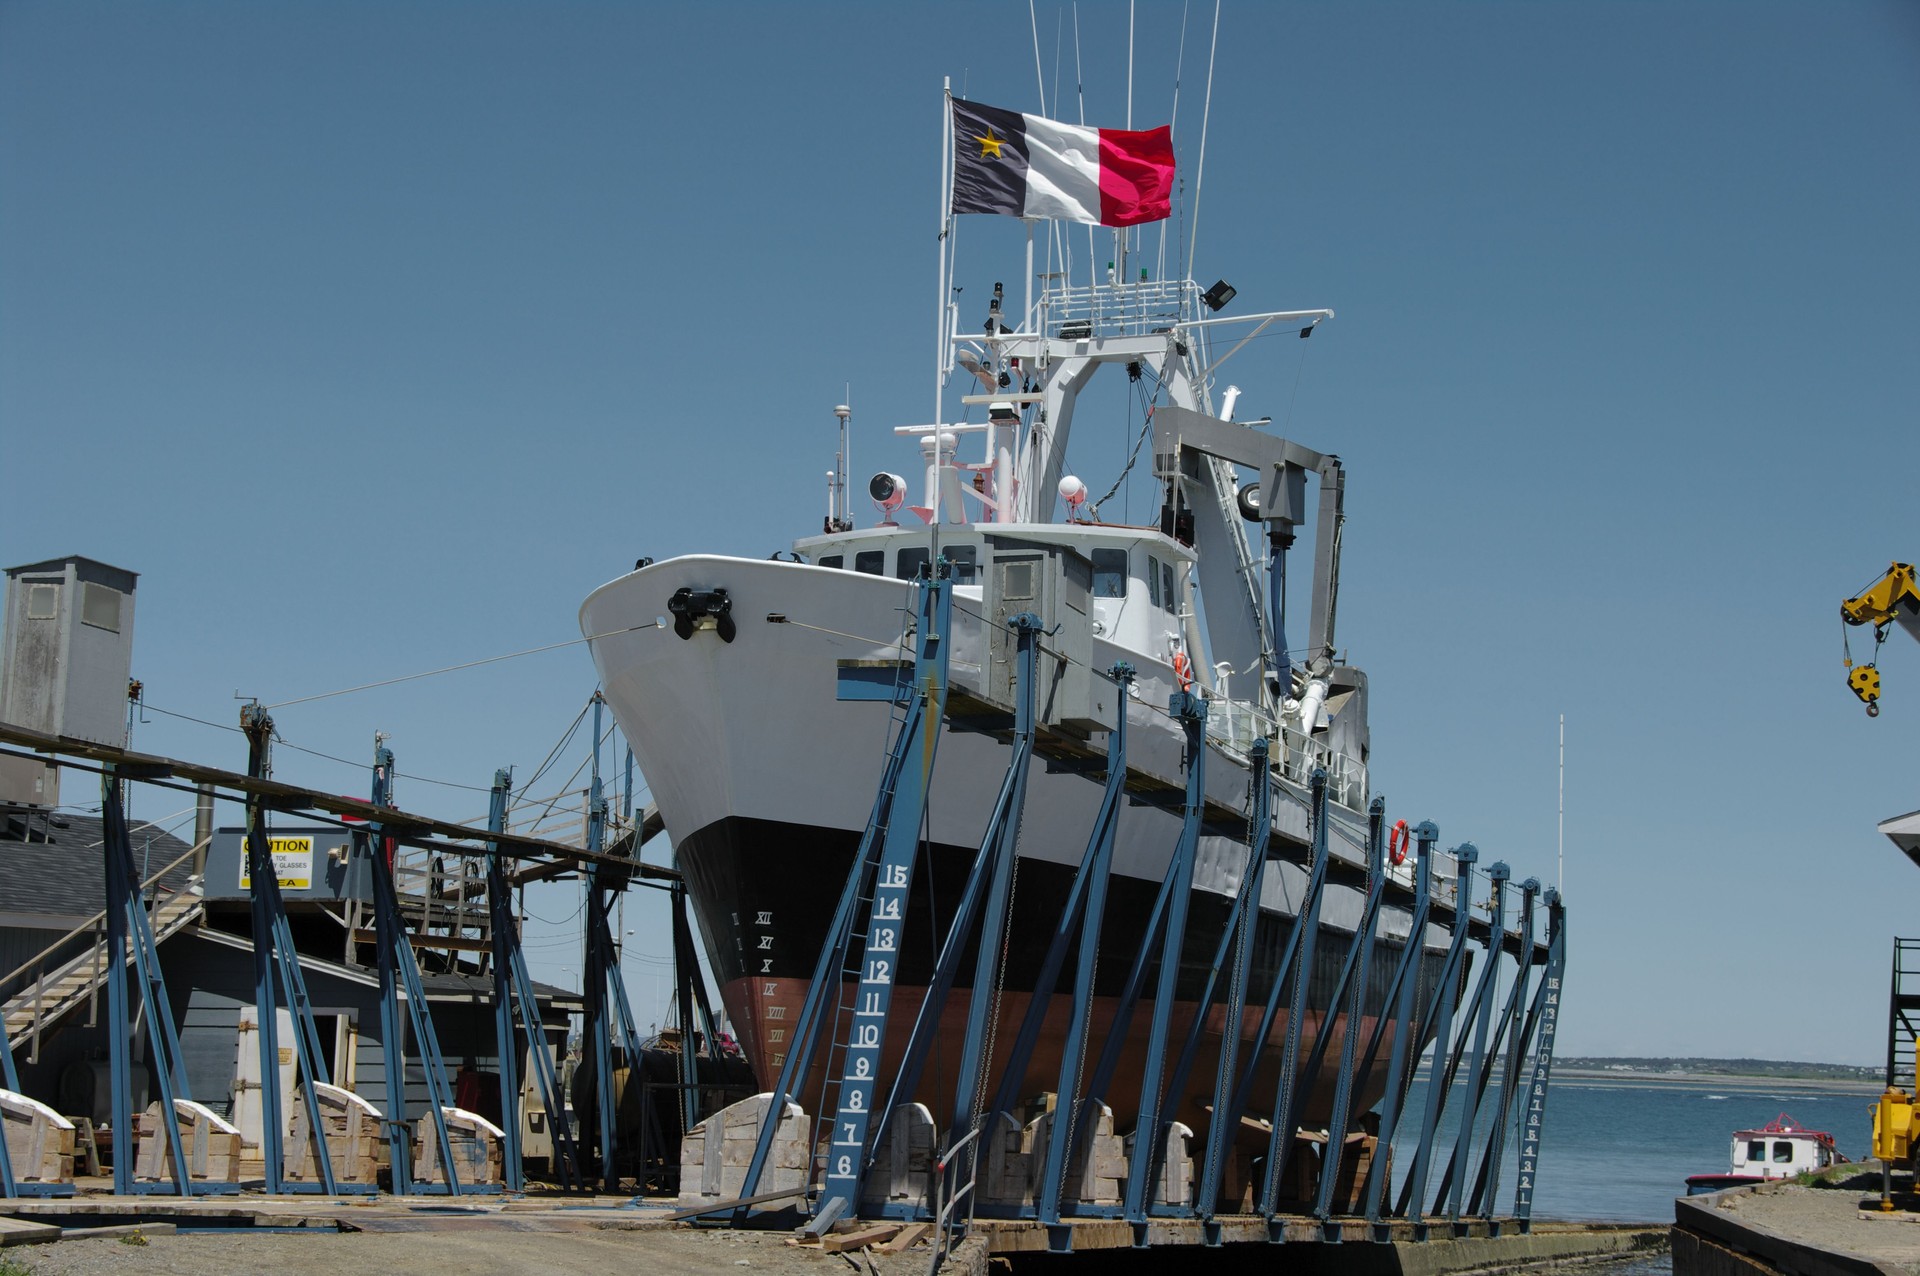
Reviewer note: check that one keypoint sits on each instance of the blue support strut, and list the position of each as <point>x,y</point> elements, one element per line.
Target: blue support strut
<point>274,954</point>
<point>1086,909</point>
<point>982,906</point>
<point>879,967</point>
<point>1546,1015</point>
<point>1353,979</point>
<point>1241,931</point>
<point>1437,1024</point>
<point>506,939</point>
<point>824,989</point>
<point>1401,996</point>
<point>1280,1137</point>
<point>1455,1187</point>
<point>1487,1185</point>
<point>1150,1131</point>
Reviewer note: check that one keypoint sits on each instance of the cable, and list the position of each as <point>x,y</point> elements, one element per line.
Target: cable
<point>471,664</point>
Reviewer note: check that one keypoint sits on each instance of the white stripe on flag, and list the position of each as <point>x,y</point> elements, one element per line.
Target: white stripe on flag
<point>1063,171</point>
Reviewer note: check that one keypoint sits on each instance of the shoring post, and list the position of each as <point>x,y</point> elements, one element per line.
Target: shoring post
<point>981,911</point>
<point>1280,1138</point>
<point>400,972</point>
<point>274,953</point>
<point>879,971</point>
<point>602,958</point>
<point>1241,930</point>
<point>1487,1185</point>
<point>1497,875</point>
<point>829,970</point>
<point>686,973</point>
<point>1095,866</point>
<point>10,1079</point>
<point>127,923</point>
<point>1149,1133</point>
<point>1354,979</point>
<point>1546,1014</point>
<point>1402,996</point>
<point>505,938</point>
<point>1438,1020</point>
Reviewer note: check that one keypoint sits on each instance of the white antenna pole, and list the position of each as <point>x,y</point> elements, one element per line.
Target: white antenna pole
<point>1200,171</point>
<point>940,241</point>
<point>1039,76</point>
<point>1563,804</point>
<point>1129,65</point>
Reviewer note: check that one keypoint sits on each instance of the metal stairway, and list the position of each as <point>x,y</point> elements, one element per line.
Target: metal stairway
<point>1903,1014</point>
<point>45,994</point>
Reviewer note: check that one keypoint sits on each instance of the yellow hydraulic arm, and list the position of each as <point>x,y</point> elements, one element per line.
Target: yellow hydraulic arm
<point>1894,597</point>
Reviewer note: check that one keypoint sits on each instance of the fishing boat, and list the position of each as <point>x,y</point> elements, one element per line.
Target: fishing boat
<point>1780,1149</point>
<point>723,671</point>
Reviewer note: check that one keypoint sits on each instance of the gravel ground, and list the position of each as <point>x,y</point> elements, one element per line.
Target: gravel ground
<point>1831,1218</point>
<point>475,1250</point>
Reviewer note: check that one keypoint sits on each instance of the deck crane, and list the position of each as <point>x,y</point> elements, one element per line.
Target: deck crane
<point>1894,597</point>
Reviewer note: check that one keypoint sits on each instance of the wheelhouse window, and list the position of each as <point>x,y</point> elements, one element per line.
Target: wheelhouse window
<point>832,560</point>
<point>911,563</point>
<point>1153,580</point>
<point>1782,1152</point>
<point>871,561</point>
<point>1756,1149</point>
<point>964,561</point>
<point>1167,595</point>
<point>1109,573</point>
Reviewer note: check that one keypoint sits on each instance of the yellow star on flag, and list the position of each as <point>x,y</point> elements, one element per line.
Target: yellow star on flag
<point>990,145</point>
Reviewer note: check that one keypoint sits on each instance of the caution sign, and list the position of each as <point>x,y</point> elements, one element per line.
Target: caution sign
<point>292,862</point>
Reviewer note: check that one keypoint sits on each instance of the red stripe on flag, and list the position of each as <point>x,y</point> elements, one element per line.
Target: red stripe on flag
<point>1136,176</point>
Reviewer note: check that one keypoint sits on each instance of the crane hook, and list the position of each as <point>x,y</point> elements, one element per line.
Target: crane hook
<point>1873,711</point>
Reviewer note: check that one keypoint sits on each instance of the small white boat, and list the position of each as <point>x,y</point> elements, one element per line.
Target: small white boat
<point>1779,1149</point>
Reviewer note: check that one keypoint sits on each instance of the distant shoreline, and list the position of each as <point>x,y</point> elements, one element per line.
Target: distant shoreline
<point>1746,1081</point>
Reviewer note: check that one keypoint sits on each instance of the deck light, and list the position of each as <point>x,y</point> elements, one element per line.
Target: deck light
<point>1219,295</point>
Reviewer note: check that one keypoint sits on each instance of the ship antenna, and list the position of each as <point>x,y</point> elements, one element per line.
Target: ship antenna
<point>1563,805</point>
<point>1200,171</point>
<point>1179,68</point>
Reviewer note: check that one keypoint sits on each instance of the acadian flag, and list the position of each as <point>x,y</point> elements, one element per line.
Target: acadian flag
<point>1027,166</point>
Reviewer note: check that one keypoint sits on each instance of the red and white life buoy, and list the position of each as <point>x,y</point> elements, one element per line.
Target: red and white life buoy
<point>1398,841</point>
<point>1183,670</point>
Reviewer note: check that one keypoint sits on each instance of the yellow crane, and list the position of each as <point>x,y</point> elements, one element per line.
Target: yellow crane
<point>1893,598</point>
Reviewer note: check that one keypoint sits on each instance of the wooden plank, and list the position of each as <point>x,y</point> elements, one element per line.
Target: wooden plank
<point>908,1237</point>
<point>118,1230</point>
<point>17,1231</point>
<point>860,1238</point>
<point>722,1207</point>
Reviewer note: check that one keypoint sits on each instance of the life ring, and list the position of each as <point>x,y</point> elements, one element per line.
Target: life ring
<point>1397,843</point>
<point>1183,670</point>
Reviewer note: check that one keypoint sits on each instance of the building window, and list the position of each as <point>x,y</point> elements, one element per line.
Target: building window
<point>964,561</point>
<point>832,560</point>
<point>1109,573</point>
<point>911,564</point>
<point>100,607</point>
<point>871,561</point>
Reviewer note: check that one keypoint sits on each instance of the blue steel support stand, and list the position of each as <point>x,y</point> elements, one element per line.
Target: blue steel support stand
<point>1080,923</point>
<point>274,954</point>
<point>1353,981</point>
<point>983,905</point>
<point>1402,996</point>
<point>859,1079</point>
<point>1437,1024</point>
<point>600,961</point>
<point>1280,1138</point>
<point>1453,1186</point>
<point>127,921</point>
<point>1149,1130</point>
<point>1242,926</point>
<point>512,986</point>
<point>1546,1015</point>
<point>911,692</point>
<point>400,971</point>
<point>692,996</point>
<point>10,1079</point>
<point>1486,1185</point>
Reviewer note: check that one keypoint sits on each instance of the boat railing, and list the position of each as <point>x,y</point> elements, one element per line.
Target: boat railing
<point>1118,309</point>
<point>1235,724</point>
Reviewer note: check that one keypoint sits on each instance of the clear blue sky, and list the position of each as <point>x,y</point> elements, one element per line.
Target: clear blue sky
<point>376,335</point>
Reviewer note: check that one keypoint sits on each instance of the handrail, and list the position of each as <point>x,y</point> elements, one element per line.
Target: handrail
<point>942,1206</point>
<point>92,923</point>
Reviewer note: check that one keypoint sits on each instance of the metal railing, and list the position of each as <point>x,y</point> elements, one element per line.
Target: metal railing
<point>34,970</point>
<point>1120,309</point>
<point>944,1205</point>
<point>1235,724</point>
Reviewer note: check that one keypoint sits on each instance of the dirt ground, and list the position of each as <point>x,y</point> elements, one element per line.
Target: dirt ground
<point>1831,1219</point>
<point>469,1250</point>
